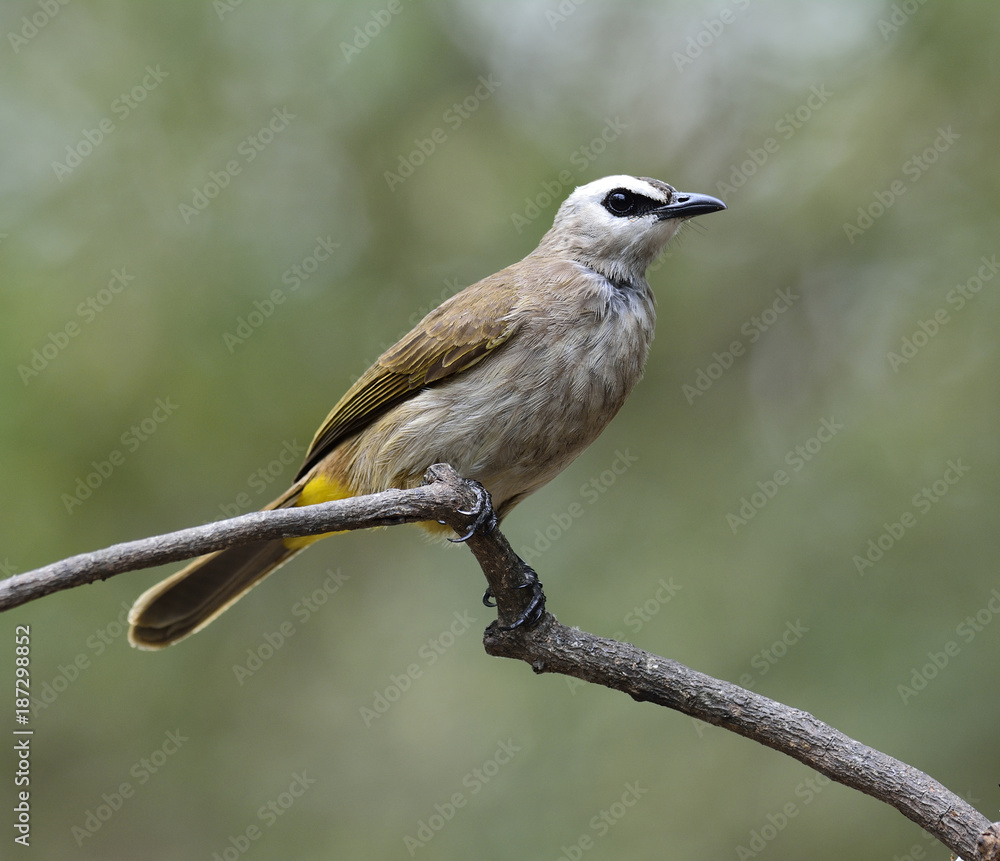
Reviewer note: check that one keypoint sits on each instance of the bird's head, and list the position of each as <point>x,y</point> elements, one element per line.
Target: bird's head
<point>617,225</point>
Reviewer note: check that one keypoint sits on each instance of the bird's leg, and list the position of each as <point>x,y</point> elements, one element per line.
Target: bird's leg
<point>485,517</point>
<point>485,521</point>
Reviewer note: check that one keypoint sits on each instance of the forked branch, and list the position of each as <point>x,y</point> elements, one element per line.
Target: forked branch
<point>551,647</point>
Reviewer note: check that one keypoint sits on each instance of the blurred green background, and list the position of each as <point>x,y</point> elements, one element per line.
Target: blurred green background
<point>164,169</point>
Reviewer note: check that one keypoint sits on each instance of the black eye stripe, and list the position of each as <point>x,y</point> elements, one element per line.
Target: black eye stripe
<point>622,202</point>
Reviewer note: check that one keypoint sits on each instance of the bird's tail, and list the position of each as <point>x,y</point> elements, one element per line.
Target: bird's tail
<point>188,600</point>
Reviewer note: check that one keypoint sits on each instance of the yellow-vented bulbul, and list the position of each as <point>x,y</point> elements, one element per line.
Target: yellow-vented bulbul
<point>508,381</point>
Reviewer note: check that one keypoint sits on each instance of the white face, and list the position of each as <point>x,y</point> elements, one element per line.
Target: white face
<point>619,224</point>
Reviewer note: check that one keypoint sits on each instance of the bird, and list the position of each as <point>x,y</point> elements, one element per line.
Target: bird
<point>508,381</point>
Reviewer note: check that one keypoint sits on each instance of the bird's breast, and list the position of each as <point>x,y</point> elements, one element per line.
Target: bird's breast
<point>518,418</point>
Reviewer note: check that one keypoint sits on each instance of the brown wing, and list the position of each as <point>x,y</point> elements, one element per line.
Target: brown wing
<point>456,335</point>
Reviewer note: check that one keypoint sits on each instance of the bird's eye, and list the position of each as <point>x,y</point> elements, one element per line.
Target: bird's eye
<point>620,202</point>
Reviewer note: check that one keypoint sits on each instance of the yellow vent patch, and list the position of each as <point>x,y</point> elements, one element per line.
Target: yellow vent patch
<point>318,489</point>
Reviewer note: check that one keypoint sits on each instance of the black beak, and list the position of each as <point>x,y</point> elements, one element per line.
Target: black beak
<point>684,205</point>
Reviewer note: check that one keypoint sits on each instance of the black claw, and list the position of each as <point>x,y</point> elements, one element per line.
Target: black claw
<point>463,538</point>
<point>488,598</point>
<point>536,606</point>
<point>485,517</point>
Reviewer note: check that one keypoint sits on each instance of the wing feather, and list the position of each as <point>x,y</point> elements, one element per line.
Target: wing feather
<point>454,337</point>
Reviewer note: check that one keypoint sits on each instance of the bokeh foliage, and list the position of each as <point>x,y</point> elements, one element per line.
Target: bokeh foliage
<point>486,115</point>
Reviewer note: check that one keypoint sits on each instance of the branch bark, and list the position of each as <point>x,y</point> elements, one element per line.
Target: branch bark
<point>551,647</point>
<point>437,500</point>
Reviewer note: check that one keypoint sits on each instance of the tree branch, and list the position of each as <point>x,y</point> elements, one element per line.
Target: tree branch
<point>441,499</point>
<point>551,647</point>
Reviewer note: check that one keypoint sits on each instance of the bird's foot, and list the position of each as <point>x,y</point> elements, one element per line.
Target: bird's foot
<point>536,606</point>
<point>485,518</point>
